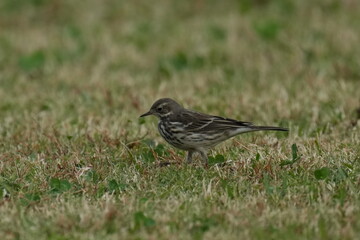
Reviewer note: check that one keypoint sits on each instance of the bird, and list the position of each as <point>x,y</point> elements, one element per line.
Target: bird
<point>197,132</point>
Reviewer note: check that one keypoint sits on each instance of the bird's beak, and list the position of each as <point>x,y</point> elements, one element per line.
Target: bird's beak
<point>146,114</point>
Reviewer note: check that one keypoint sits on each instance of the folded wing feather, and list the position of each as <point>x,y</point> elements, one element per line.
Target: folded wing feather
<point>202,122</point>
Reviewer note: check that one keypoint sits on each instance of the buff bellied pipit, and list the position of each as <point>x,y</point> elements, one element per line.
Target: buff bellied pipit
<point>194,131</point>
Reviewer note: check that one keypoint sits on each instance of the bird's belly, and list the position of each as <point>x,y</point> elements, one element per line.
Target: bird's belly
<point>200,140</point>
<point>192,140</point>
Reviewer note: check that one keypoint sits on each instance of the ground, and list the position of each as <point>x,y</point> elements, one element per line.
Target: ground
<point>76,162</point>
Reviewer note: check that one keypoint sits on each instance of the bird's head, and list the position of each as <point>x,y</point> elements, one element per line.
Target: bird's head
<point>163,108</point>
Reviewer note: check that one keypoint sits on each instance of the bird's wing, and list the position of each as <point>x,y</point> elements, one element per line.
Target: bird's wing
<point>198,122</point>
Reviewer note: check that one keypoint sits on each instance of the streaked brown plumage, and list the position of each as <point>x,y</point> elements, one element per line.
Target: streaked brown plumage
<point>194,131</point>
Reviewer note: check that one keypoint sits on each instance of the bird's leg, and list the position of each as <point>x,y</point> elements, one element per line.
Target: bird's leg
<point>189,157</point>
<point>204,157</point>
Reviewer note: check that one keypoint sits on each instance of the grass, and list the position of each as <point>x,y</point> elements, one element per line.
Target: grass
<point>77,163</point>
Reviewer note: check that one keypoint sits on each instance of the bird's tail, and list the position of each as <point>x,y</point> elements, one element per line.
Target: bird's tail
<point>269,128</point>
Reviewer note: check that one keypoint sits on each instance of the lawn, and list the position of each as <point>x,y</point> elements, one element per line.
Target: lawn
<point>76,162</point>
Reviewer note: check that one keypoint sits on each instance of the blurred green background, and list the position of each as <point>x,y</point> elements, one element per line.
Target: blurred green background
<point>137,51</point>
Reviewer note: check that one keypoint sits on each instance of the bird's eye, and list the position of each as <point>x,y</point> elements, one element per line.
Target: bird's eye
<point>159,109</point>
